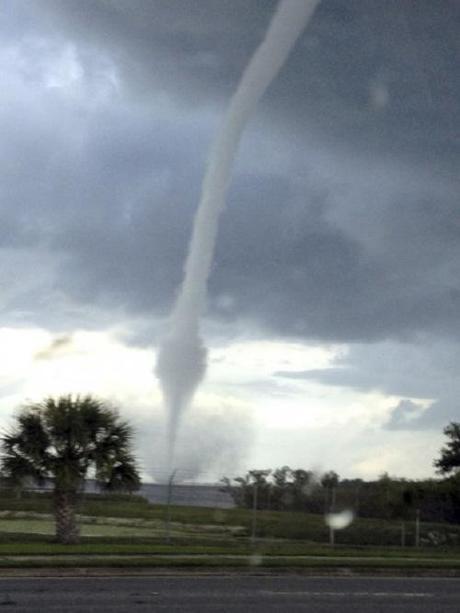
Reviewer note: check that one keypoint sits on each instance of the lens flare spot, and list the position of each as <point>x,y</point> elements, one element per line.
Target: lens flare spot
<point>339,521</point>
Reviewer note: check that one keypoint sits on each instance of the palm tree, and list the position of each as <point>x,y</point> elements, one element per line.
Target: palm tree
<point>62,439</point>
<point>449,461</point>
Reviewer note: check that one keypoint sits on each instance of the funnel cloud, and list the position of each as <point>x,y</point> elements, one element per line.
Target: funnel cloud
<point>181,363</point>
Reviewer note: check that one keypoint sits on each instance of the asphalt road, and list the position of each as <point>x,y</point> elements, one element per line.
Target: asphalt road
<point>233,593</point>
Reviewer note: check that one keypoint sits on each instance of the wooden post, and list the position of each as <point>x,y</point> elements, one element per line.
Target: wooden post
<point>254,514</point>
<point>331,529</point>
<point>168,507</point>
<point>331,536</point>
<point>417,528</point>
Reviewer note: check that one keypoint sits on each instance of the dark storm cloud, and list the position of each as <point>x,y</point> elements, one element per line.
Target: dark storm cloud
<point>382,74</point>
<point>287,266</point>
<point>193,49</point>
<point>109,189</point>
<point>128,241</point>
<point>284,262</point>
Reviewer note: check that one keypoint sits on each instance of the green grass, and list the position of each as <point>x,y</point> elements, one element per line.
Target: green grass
<point>120,505</point>
<point>36,526</point>
<point>221,562</point>
<point>137,547</point>
<point>107,527</point>
<point>119,544</point>
<point>137,519</point>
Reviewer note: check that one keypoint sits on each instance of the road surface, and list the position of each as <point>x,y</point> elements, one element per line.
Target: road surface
<point>232,593</point>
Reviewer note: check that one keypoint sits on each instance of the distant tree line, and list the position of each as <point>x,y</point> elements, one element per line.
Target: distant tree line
<point>288,489</point>
<point>283,489</point>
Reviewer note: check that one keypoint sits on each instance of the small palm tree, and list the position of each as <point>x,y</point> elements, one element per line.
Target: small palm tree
<point>62,439</point>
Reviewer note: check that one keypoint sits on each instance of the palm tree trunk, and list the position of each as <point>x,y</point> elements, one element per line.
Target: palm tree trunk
<point>67,530</point>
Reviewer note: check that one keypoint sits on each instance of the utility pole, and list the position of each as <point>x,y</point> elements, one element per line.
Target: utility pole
<point>331,536</point>
<point>332,510</point>
<point>417,528</point>
<point>403,534</point>
<point>168,507</point>
<point>254,513</point>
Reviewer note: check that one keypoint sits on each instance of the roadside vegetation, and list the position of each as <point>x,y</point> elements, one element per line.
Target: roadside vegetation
<point>272,526</point>
<point>123,516</point>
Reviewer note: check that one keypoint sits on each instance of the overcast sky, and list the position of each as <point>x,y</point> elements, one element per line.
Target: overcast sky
<point>334,302</point>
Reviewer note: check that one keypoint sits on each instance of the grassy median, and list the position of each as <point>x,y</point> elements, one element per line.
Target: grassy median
<point>128,532</point>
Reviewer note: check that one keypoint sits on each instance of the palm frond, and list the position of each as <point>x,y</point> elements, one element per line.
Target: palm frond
<point>63,438</point>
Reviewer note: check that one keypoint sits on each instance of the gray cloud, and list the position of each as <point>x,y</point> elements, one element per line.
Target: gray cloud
<point>197,51</point>
<point>104,175</point>
<point>424,369</point>
<point>404,416</point>
<point>342,222</point>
